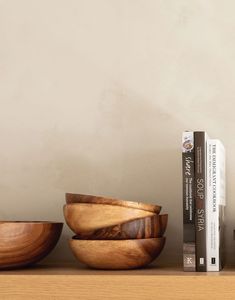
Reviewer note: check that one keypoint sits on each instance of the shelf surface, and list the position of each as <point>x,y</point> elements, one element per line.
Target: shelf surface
<point>75,269</point>
<point>70,281</point>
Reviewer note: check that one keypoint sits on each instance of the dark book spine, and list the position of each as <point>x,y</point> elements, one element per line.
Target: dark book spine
<point>189,255</point>
<point>200,199</point>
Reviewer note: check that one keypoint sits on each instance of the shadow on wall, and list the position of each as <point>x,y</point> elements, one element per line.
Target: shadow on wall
<point>132,153</point>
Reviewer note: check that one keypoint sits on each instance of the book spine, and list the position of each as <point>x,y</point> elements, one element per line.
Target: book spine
<point>222,204</point>
<point>200,199</point>
<point>212,207</point>
<point>216,204</point>
<point>189,256</point>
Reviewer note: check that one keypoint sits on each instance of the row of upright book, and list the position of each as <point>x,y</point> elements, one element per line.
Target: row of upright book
<point>203,166</point>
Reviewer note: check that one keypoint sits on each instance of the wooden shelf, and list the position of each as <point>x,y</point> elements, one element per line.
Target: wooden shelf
<point>72,282</point>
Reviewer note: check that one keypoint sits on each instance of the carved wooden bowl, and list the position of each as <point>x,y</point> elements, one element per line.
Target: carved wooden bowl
<point>144,228</point>
<point>80,198</point>
<point>117,254</point>
<point>25,243</point>
<point>89,217</point>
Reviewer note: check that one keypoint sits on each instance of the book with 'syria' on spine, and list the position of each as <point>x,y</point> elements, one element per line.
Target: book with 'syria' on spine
<point>200,143</point>
<point>189,256</point>
<point>215,204</point>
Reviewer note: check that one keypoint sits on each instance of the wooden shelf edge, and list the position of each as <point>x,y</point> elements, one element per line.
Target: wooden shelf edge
<point>70,282</point>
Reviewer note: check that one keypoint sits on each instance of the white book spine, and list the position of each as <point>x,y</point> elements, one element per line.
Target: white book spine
<point>215,199</point>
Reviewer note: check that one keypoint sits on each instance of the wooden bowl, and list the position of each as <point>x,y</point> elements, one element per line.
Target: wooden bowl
<point>25,243</point>
<point>79,198</point>
<point>117,254</point>
<point>144,228</point>
<point>89,217</point>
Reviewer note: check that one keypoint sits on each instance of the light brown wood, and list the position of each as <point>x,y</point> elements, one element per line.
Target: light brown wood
<point>70,282</point>
<point>117,254</point>
<point>80,198</point>
<point>144,228</point>
<point>85,217</point>
<point>25,243</point>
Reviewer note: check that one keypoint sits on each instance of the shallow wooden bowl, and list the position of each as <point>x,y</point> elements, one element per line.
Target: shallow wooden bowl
<point>117,254</point>
<point>25,243</point>
<point>80,198</point>
<point>144,228</point>
<point>89,217</point>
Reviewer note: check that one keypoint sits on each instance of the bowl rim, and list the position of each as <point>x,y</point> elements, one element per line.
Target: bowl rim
<point>156,238</point>
<point>73,198</point>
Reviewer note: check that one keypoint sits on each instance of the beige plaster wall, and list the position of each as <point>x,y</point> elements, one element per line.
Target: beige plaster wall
<point>94,96</point>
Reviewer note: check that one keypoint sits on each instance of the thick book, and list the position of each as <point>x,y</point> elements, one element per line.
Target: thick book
<point>200,138</point>
<point>189,256</point>
<point>215,204</point>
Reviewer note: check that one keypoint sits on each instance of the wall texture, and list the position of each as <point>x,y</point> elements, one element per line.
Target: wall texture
<point>94,96</point>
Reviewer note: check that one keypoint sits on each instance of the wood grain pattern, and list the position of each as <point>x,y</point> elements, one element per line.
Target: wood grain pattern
<point>87,217</point>
<point>117,254</point>
<point>24,243</point>
<point>80,198</point>
<point>67,281</point>
<point>144,228</point>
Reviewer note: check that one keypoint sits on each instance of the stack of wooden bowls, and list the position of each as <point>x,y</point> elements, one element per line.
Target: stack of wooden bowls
<point>114,234</point>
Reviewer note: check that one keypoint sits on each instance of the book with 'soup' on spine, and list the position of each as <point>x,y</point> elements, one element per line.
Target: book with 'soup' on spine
<point>189,255</point>
<point>215,204</point>
<point>200,143</point>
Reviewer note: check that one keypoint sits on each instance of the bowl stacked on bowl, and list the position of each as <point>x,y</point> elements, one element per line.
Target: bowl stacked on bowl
<point>114,234</point>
